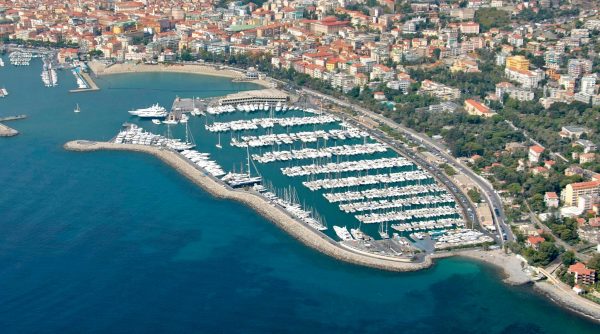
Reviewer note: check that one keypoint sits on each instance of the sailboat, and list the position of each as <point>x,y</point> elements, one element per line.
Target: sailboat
<point>219,143</point>
<point>77,108</point>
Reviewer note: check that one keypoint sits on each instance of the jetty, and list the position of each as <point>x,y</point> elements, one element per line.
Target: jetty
<point>6,131</point>
<point>283,219</point>
<point>91,85</point>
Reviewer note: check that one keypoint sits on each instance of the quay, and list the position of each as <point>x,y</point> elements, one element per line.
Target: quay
<point>300,231</point>
<point>90,83</point>
<point>12,118</point>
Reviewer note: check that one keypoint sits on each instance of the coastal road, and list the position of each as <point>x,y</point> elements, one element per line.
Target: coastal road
<point>558,240</point>
<point>434,170</point>
<point>436,148</point>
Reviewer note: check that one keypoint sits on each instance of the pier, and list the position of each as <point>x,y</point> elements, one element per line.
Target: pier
<point>90,83</point>
<point>299,230</point>
<point>6,131</point>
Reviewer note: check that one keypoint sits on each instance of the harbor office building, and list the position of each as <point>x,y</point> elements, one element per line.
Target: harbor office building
<point>270,96</point>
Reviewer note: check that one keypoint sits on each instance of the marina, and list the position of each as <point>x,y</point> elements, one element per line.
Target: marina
<point>378,187</point>
<point>165,232</point>
<point>304,137</point>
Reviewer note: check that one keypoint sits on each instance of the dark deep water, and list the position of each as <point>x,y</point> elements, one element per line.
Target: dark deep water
<point>119,242</point>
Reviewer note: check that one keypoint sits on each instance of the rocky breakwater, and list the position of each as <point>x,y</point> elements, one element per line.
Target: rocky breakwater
<point>6,131</point>
<point>301,232</point>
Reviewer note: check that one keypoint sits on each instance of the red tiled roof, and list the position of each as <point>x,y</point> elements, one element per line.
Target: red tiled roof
<point>581,269</point>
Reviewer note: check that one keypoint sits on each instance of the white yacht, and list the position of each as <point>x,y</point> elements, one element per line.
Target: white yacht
<point>342,233</point>
<point>156,121</point>
<point>154,111</point>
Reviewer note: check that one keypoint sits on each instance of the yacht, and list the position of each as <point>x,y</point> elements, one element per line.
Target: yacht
<point>342,233</point>
<point>154,111</point>
<point>156,121</point>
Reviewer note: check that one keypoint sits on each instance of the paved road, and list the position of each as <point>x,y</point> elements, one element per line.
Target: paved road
<point>464,202</point>
<point>514,127</point>
<point>558,240</point>
<point>436,148</point>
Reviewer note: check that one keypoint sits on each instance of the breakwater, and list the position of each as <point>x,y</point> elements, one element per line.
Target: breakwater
<point>6,131</point>
<point>299,231</point>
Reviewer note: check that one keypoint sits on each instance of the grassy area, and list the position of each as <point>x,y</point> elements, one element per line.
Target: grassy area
<point>449,170</point>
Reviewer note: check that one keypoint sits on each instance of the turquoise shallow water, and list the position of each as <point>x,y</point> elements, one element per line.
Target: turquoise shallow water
<point>118,242</point>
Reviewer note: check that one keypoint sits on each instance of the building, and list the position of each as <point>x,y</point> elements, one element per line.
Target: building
<point>527,79</point>
<point>439,90</point>
<point>588,84</point>
<point>255,96</point>
<point>578,67</point>
<point>478,109</point>
<point>551,199</point>
<point>570,195</point>
<point>517,63</point>
<point>572,132</point>
<point>513,92</point>
<point>583,275</point>
<point>535,152</point>
<point>469,28</point>
<point>534,241</point>
<point>587,157</point>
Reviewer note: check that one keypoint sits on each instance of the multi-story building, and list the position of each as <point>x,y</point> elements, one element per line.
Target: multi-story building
<point>583,275</point>
<point>588,84</point>
<point>517,63</point>
<point>478,109</point>
<point>572,192</point>
<point>439,90</point>
<point>535,152</point>
<point>551,199</point>
<point>527,79</point>
<point>513,92</point>
<point>578,67</point>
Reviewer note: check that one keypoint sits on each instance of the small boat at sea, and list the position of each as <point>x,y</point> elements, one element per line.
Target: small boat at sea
<point>77,109</point>
<point>156,121</point>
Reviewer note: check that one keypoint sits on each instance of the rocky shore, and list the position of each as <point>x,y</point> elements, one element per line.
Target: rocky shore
<point>301,232</point>
<point>569,300</point>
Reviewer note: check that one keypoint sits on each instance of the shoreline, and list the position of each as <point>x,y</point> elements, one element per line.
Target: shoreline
<point>298,231</point>
<point>100,69</point>
<point>510,266</point>
<point>569,301</point>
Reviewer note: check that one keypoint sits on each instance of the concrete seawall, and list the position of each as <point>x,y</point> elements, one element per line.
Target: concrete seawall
<point>304,234</point>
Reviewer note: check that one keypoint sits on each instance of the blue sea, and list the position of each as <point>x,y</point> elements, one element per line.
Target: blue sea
<point>119,242</point>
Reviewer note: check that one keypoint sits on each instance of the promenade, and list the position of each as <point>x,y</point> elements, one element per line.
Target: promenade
<point>299,231</point>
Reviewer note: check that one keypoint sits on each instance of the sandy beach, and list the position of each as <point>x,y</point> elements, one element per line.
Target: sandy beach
<point>509,263</point>
<point>299,231</point>
<point>99,69</point>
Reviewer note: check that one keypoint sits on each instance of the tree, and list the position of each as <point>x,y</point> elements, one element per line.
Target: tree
<point>568,258</point>
<point>594,262</point>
